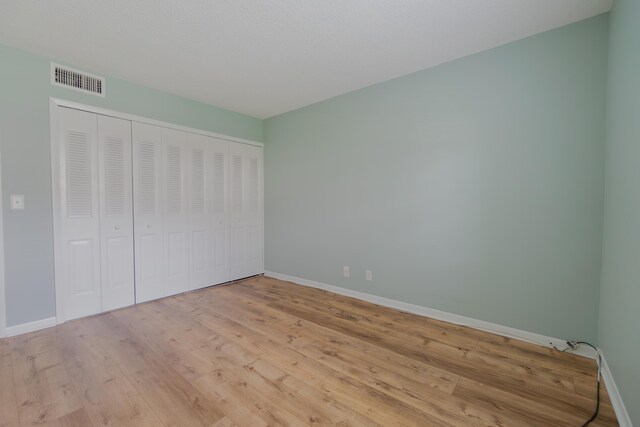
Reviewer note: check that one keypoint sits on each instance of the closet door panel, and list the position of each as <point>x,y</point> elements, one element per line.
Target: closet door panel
<point>219,218</point>
<point>237,264</point>
<point>253,210</point>
<point>79,214</point>
<point>199,211</point>
<point>148,212</point>
<point>176,218</point>
<point>246,210</point>
<point>116,212</point>
<point>221,255</point>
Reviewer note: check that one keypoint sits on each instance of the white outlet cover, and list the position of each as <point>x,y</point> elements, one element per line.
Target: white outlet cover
<point>17,201</point>
<point>368,275</point>
<point>345,271</point>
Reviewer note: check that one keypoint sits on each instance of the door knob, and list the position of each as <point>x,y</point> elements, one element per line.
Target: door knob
<point>117,227</point>
<point>148,225</point>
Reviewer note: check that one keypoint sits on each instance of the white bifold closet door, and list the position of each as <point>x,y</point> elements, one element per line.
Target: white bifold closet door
<point>116,212</point>
<point>79,245</point>
<point>176,214</point>
<point>245,210</point>
<point>93,169</point>
<point>208,211</point>
<point>160,211</point>
<point>144,211</point>
<point>220,211</point>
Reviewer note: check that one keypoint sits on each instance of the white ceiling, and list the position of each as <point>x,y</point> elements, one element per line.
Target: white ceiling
<point>266,57</point>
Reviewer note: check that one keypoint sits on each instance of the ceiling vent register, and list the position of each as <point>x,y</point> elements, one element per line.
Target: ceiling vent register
<point>77,80</point>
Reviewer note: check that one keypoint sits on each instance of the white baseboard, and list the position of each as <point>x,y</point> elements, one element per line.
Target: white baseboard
<point>614,394</point>
<point>31,326</point>
<point>457,319</point>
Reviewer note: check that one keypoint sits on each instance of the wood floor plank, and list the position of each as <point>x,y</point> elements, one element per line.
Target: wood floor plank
<point>451,358</point>
<point>43,388</point>
<point>433,353</point>
<point>448,353</point>
<point>107,394</point>
<point>560,398</point>
<point>264,352</point>
<point>76,418</point>
<point>357,367</point>
<point>224,422</point>
<point>171,342</point>
<point>377,405</point>
<point>174,400</point>
<point>308,370</point>
<point>529,411</point>
<point>269,379</point>
<point>370,315</point>
<point>289,330</point>
<point>501,361</point>
<point>242,402</point>
<point>8,403</point>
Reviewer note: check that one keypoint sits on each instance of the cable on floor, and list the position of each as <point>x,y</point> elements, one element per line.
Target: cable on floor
<point>573,345</point>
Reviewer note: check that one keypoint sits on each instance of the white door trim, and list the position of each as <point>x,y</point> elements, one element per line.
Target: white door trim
<point>3,318</point>
<point>55,200</point>
<point>140,119</point>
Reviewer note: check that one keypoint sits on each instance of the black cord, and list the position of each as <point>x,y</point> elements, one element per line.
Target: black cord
<point>595,413</point>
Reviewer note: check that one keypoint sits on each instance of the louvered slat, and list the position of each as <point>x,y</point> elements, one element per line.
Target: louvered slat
<point>78,174</point>
<point>174,179</point>
<point>147,178</point>
<point>114,176</point>
<point>197,181</point>
<point>236,184</point>
<point>218,183</point>
<point>254,195</point>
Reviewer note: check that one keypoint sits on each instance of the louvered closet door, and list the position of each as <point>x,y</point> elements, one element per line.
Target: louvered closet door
<point>209,211</point>
<point>246,210</point>
<point>79,245</point>
<point>116,214</point>
<point>200,226</point>
<point>148,212</point>
<point>176,217</point>
<point>220,211</point>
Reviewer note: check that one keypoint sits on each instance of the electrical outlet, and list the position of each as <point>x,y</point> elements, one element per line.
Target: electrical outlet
<point>17,201</point>
<point>345,271</point>
<point>368,275</point>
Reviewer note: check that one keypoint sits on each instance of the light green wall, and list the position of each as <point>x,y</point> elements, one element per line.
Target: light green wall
<point>24,137</point>
<point>475,187</point>
<point>619,333</point>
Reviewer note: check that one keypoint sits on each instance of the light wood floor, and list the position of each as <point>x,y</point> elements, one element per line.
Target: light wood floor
<point>266,352</point>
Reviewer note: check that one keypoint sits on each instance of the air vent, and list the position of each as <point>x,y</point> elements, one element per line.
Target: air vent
<point>77,80</point>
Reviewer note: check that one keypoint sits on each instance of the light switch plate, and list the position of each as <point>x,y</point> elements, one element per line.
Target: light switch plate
<point>17,201</point>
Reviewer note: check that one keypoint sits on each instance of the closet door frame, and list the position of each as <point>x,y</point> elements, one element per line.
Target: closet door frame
<point>54,125</point>
<point>54,103</point>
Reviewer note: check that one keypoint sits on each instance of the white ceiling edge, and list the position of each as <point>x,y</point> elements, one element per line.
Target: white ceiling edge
<point>263,59</point>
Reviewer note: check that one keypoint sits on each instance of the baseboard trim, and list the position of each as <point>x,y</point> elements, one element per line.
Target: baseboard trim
<point>457,319</point>
<point>24,328</point>
<point>614,395</point>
